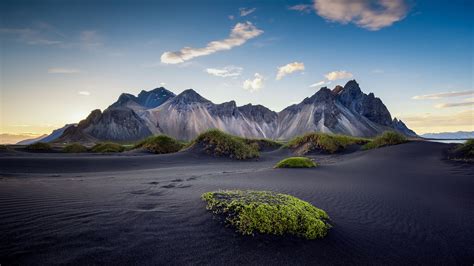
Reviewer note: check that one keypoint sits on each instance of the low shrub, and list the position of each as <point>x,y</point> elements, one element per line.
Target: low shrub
<point>323,142</point>
<point>268,212</point>
<point>218,143</point>
<point>39,146</point>
<point>160,144</point>
<point>296,162</point>
<point>75,148</point>
<point>105,147</point>
<point>388,138</point>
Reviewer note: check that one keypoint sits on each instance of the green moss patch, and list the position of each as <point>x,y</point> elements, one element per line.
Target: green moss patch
<point>296,162</point>
<point>75,148</point>
<point>268,212</point>
<point>388,138</point>
<point>105,147</point>
<point>323,142</point>
<point>39,146</point>
<point>220,144</point>
<point>160,144</point>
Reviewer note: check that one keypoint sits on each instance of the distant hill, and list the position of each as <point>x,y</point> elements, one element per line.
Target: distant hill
<point>343,110</point>
<point>450,135</point>
<point>46,138</point>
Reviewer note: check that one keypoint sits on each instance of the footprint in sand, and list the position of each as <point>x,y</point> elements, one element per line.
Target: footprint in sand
<point>154,183</point>
<point>169,186</point>
<point>177,180</point>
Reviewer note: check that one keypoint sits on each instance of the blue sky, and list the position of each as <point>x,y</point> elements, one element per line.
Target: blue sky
<point>61,59</point>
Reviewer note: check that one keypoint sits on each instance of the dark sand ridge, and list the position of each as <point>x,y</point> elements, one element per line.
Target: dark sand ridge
<point>396,205</point>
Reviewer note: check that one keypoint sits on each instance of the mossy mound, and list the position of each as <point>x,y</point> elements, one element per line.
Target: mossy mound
<point>323,142</point>
<point>296,162</point>
<point>106,147</point>
<point>268,212</point>
<point>388,138</point>
<point>160,144</point>
<point>39,146</point>
<point>75,148</point>
<point>220,144</point>
<point>263,144</point>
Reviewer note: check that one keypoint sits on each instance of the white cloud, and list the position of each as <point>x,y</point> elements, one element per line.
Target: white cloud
<point>241,33</point>
<point>424,123</point>
<point>162,83</point>
<point>319,84</point>
<point>246,11</point>
<point>84,93</point>
<point>254,84</point>
<point>335,75</point>
<point>288,69</point>
<point>301,8</point>
<point>31,36</point>
<point>231,17</point>
<point>368,14</point>
<point>441,95</point>
<point>447,105</point>
<point>60,70</point>
<point>228,71</point>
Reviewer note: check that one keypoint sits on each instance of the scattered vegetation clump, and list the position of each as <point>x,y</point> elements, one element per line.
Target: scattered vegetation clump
<point>268,212</point>
<point>160,144</point>
<point>104,147</point>
<point>220,144</point>
<point>263,144</point>
<point>39,146</point>
<point>463,152</point>
<point>4,148</point>
<point>323,142</point>
<point>388,138</point>
<point>75,148</point>
<point>296,162</point>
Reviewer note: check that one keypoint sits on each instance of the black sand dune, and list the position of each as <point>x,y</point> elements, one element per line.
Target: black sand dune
<point>397,205</point>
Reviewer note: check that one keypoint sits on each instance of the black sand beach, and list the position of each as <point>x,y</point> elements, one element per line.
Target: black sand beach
<point>397,205</point>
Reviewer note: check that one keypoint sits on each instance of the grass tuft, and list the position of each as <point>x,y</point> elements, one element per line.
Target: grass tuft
<point>160,144</point>
<point>268,212</point>
<point>39,146</point>
<point>75,148</point>
<point>466,149</point>
<point>388,138</point>
<point>296,162</point>
<point>107,147</point>
<point>220,144</point>
<point>323,142</point>
<point>263,144</point>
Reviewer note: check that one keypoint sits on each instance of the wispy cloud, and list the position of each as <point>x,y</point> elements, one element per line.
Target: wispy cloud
<point>288,69</point>
<point>303,8</point>
<point>90,39</point>
<point>227,71</point>
<point>378,71</point>
<point>30,36</point>
<point>425,123</point>
<point>246,11</point>
<point>441,95</point>
<point>240,34</point>
<point>335,75</point>
<point>459,104</point>
<point>84,93</point>
<point>254,84</point>
<point>319,84</point>
<point>368,14</point>
<point>60,70</point>
<point>231,17</point>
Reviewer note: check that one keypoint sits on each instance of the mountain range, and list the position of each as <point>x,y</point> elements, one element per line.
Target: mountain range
<point>450,135</point>
<point>342,110</point>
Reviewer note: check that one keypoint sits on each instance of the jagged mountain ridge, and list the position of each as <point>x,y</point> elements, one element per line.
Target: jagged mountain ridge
<point>343,110</point>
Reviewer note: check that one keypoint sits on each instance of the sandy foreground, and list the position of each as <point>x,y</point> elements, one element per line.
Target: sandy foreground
<point>399,205</point>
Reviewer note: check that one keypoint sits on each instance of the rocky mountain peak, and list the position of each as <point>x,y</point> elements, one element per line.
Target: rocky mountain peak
<point>323,95</point>
<point>338,89</point>
<point>189,96</point>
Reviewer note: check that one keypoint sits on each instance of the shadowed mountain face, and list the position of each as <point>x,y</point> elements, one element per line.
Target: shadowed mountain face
<point>343,110</point>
